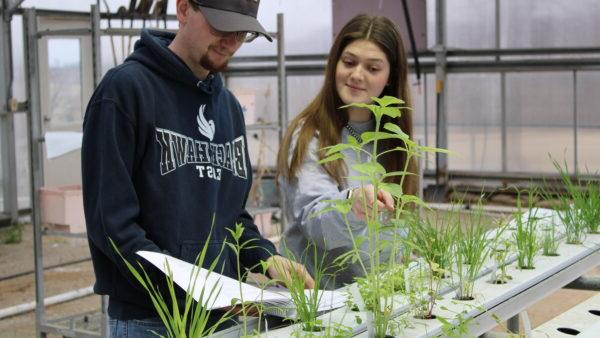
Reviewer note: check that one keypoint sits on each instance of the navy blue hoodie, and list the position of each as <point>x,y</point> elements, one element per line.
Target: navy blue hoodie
<point>163,155</point>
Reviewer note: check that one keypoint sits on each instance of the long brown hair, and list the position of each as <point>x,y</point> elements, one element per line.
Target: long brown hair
<point>323,118</point>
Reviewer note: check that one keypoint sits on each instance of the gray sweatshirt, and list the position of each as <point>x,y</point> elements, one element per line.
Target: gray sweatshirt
<point>328,231</point>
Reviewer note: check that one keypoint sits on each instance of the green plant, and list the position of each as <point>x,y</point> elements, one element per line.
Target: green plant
<point>457,327</point>
<point>306,302</point>
<point>13,234</point>
<point>526,234</point>
<point>474,245</point>
<point>433,238</point>
<point>193,320</point>
<point>236,247</point>
<point>571,206</point>
<point>590,211</point>
<point>499,254</point>
<point>379,293</point>
<point>423,283</point>
<point>550,241</point>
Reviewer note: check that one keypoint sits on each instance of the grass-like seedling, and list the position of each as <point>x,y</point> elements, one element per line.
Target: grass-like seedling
<point>306,302</point>
<point>590,207</point>
<point>237,246</point>
<point>526,234</point>
<point>433,239</point>
<point>573,206</point>
<point>190,320</point>
<point>422,288</point>
<point>474,246</point>
<point>500,254</point>
<point>550,241</point>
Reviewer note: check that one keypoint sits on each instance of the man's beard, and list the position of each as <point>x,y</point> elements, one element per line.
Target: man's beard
<point>211,66</point>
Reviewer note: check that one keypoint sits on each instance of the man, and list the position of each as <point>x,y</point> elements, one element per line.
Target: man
<point>165,158</point>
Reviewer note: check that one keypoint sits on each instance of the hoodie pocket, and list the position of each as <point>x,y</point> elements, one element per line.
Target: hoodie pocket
<point>216,252</point>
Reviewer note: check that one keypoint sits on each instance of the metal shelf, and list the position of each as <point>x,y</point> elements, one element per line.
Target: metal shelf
<point>70,326</point>
<point>261,210</point>
<point>263,126</point>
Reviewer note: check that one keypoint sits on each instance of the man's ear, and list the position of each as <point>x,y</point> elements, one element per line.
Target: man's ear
<point>182,7</point>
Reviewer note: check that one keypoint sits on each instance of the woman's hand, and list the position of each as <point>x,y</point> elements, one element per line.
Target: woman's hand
<point>285,270</point>
<point>364,199</point>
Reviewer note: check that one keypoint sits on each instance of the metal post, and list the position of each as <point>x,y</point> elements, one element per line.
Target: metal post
<point>281,76</point>
<point>575,125</point>
<point>96,50</point>
<point>426,119</point>
<point>503,149</point>
<point>97,76</point>
<point>35,155</point>
<point>421,172</point>
<point>281,99</point>
<point>104,327</point>
<point>512,324</point>
<point>503,138</point>
<point>441,95</point>
<point>7,129</point>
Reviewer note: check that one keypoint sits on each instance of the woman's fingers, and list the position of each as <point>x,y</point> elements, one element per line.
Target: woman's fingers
<point>387,199</point>
<point>365,199</point>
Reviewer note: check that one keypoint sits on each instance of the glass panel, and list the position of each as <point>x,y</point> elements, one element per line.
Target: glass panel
<point>64,85</point>
<point>22,158</point>
<point>1,178</point>
<point>549,23</point>
<point>539,120</point>
<point>431,122</point>
<point>424,114</point>
<point>474,130</point>
<point>469,24</point>
<point>588,130</point>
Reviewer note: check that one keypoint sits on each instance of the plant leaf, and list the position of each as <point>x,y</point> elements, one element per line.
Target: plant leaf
<point>370,136</point>
<point>334,157</point>
<point>387,101</point>
<point>394,128</point>
<point>369,168</point>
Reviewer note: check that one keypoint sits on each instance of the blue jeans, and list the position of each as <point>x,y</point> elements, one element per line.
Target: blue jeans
<point>136,328</point>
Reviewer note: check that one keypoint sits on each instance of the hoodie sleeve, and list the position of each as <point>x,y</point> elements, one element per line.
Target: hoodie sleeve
<point>305,197</point>
<point>260,248</point>
<point>110,201</point>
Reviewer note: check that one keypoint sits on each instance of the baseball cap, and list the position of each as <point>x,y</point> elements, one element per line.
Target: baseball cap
<point>232,15</point>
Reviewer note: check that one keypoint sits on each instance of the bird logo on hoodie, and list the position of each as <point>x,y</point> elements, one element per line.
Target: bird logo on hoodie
<point>205,127</point>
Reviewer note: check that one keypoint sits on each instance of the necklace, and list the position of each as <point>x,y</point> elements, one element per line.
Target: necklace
<point>353,132</point>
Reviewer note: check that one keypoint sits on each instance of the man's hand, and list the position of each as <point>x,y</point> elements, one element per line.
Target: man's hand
<point>285,270</point>
<point>365,196</point>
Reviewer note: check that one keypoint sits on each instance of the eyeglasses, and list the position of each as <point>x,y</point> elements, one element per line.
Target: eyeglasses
<point>240,36</point>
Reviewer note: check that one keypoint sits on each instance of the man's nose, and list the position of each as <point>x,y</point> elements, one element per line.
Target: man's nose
<point>230,40</point>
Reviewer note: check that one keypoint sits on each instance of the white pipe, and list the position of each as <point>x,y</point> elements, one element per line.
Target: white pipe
<point>60,298</point>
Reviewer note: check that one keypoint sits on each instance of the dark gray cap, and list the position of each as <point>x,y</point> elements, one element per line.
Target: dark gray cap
<point>232,15</point>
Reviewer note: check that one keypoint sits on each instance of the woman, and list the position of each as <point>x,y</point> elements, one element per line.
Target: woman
<point>367,60</point>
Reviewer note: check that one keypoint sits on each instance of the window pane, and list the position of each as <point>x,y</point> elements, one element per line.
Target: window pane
<point>588,103</point>
<point>64,84</point>
<point>539,120</point>
<point>474,131</point>
<point>549,23</point>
